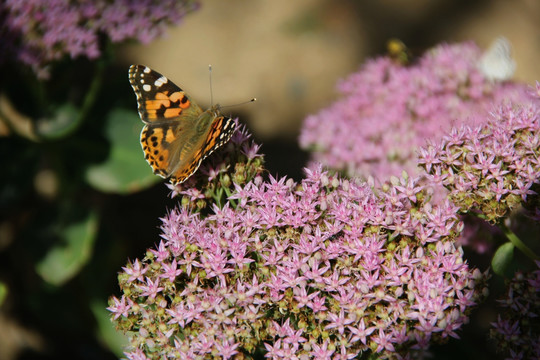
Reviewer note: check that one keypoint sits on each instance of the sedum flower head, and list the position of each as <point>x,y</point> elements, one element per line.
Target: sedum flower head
<point>387,110</point>
<point>516,331</point>
<point>235,165</point>
<point>42,31</point>
<point>489,169</point>
<point>322,269</point>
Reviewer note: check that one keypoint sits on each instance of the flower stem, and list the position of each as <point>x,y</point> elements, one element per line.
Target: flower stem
<point>93,91</point>
<point>517,242</point>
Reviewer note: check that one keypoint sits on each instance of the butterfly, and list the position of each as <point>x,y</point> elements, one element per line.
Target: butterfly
<point>497,63</point>
<point>177,134</point>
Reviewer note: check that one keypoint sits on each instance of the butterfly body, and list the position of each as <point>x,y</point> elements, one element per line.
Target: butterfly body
<point>178,135</point>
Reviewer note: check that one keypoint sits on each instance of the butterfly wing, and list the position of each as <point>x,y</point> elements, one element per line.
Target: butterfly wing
<point>162,145</point>
<point>158,98</point>
<point>206,140</point>
<point>168,114</point>
<point>497,63</point>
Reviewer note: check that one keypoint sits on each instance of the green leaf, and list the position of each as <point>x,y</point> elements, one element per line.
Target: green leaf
<point>3,292</point>
<point>115,340</point>
<point>502,258</point>
<point>66,259</point>
<point>125,170</point>
<point>65,120</point>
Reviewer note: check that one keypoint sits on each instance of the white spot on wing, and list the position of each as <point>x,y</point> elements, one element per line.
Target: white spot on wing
<point>162,80</point>
<point>147,87</point>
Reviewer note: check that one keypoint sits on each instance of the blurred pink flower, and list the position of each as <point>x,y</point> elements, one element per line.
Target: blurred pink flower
<point>388,111</point>
<point>38,32</point>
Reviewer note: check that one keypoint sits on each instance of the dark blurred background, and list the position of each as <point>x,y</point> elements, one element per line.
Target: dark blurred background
<point>287,54</point>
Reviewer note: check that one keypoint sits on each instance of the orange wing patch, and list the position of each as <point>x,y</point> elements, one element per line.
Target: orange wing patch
<point>184,173</point>
<point>170,135</point>
<point>172,112</point>
<point>154,153</point>
<point>165,106</point>
<point>220,132</point>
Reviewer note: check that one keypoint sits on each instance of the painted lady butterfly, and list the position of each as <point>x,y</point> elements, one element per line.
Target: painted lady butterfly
<point>178,135</point>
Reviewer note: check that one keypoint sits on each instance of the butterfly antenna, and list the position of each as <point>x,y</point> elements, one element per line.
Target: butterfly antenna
<point>211,92</point>
<point>242,103</point>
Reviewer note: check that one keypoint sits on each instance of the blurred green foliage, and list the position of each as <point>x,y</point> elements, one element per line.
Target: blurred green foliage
<point>123,171</point>
<point>76,200</point>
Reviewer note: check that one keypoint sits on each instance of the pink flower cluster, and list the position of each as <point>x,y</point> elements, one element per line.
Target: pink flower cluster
<point>235,165</point>
<point>323,269</point>
<point>42,31</point>
<point>491,168</point>
<point>387,111</point>
<point>516,332</point>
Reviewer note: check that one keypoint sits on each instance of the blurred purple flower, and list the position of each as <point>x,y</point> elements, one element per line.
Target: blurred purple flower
<point>325,268</point>
<point>516,331</point>
<point>38,32</point>
<point>389,110</point>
